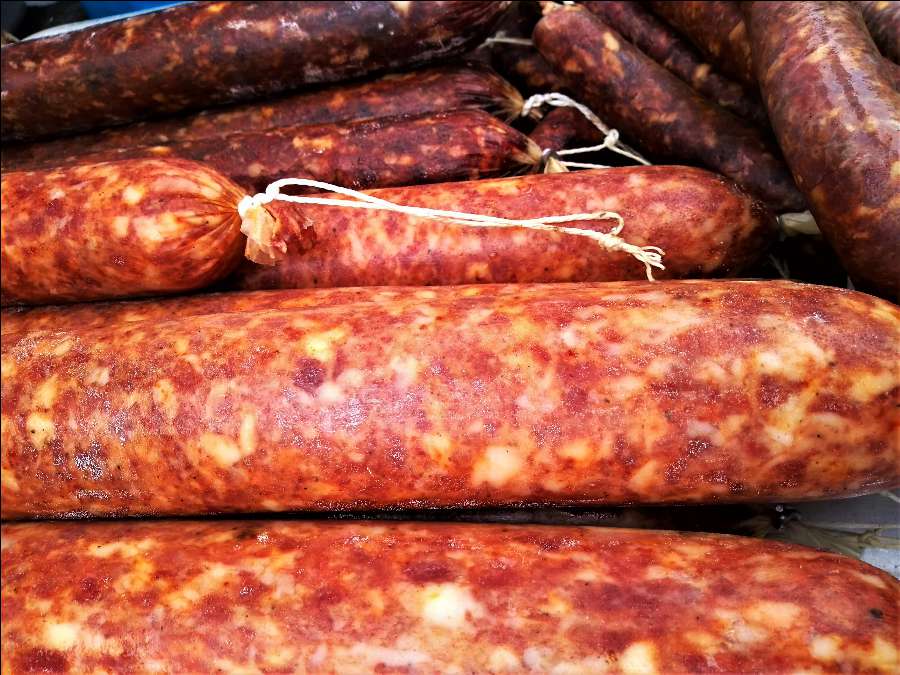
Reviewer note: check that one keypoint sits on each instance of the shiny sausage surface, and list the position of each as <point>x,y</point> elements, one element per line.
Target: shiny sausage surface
<point>118,229</point>
<point>442,89</point>
<point>280,597</point>
<point>837,118</point>
<point>662,44</point>
<point>657,111</point>
<point>199,54</point>
<point>717,29</point>
<point>613,393</point>
<point>706,225</point>
<point>465,144</point>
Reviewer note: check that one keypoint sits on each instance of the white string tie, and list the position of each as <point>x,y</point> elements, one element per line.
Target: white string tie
<point>611,139</point>
<point>650,256</point>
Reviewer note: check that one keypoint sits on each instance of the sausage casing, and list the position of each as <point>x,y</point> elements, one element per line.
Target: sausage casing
<point>656,110</point>
<point>86,315</point>
<point>274,597</point>
<point>420,92</point>
<point>717,29</point>
<point>837,118</point>
<point>665,46</point>
<point>882,18</point>
<point>199,54</point>
<point>119,229</point>
<point>561,127</point>
<point>488,395</point>
<point>728,230</point>
<point>465,144</point>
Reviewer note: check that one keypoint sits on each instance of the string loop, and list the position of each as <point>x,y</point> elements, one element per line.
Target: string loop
<point>611,139</point>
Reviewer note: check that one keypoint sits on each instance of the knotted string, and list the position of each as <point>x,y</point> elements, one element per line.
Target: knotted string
<point>610,142</point>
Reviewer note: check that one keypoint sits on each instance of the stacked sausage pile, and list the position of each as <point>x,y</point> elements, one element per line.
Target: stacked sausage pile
<point>333,358</point>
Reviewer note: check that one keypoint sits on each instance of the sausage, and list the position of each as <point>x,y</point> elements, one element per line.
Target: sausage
<point>665,46</point>
<point>419,92</point>
<point>728,231</point>
<point>883,21</point>
<point>634,392</point>
<point>563,126</point>
<point>659,112</point>
<point>465,144</point>
<point>838,132</point>
<point>718,30</point>
<point>715,210</point>
<point>119,229</point>
<point>201,54</point>
<point>526,69</point>
<point>87,315</point>
<point>295,596</point>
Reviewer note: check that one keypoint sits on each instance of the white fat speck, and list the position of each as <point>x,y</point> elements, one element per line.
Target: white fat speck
<point>392,658</point>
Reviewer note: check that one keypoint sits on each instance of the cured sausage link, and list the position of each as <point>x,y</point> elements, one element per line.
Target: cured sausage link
<point>717,29</point>
<point>638,392</point>
<point>836,115</point>
<point>118,229</point>
<point>465,144</point>
<point>420,92</point>
<point>882,18</point>
<point>706,225</point>
<point>278,596</point>
<point>666,47</point>
<point>656,110</point>
<point>201,54</point>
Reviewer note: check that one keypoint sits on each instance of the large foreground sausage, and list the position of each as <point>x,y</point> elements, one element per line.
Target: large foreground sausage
<point>717,29</point>
<point>277,596</point>
<point>665,46</point>
<point>837,118</point>
<point>704,223</point>
<point>658,111</point>
<point>465,144</point>
<point>421,92</point>
<point>201,54</point>
<point>86,315</point>
<point>538,394</point>
<point>882,18</point>
<point>121,229</point>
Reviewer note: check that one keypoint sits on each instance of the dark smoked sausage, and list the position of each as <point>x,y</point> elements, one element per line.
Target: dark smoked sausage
<point>561,127</point>
<point>656,110</point>
<point>635,392</point>
<point>717,29</point>
<point>706,225</point>
<point>200,54</point>
<point>269,596</point>
<point>666,47</point>
<point>420,92</point>
<point>525,68</point>
<point>837,118</point>
<point>882,18</point>
<point>119,229</point>
<point>465,144</point>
